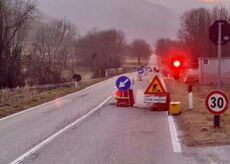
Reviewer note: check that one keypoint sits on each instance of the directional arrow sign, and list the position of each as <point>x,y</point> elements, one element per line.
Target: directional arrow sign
<point>141,70</point>
<point>123,83</point>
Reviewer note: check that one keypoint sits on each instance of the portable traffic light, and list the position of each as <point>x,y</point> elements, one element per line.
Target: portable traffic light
<point>176,66</point>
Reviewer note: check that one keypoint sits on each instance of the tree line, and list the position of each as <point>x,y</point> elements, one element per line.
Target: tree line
<point>193,34</point>
<point>50,52</point>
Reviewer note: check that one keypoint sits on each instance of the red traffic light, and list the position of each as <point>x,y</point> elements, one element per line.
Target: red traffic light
<point>177,66</point>
<point>176,63</point>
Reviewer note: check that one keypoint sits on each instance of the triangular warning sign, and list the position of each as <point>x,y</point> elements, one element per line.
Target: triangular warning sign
<point>155,87</point>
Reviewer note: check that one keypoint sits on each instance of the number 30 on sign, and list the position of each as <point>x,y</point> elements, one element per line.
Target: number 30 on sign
<point>217,102</point>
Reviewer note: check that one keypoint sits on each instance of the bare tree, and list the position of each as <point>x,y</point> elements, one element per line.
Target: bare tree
<point>101,49</point>
<point>15,15</point>
<point>194,31</point>
<point>163,46</point>
<point>140,49</point>
<point>53,47</point>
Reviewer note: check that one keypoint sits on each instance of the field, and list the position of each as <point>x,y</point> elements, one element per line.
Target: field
<point>197,124</point>
<point>132,62</point>
<point>20,99</point>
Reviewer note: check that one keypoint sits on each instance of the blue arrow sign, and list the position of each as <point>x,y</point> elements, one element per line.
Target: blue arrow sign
<point>141,70</point>
<point>123,83</point>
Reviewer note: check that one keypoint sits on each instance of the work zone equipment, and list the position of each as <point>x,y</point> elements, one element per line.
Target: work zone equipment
<point>174,108</point>
<point>125,98</point>
<point>124,95</point>
<point>156,97</point>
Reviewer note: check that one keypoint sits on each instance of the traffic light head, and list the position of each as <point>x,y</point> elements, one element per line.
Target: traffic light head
<point>176,63</point>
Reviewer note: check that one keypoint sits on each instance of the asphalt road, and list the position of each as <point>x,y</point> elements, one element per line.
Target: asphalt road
<point>107,134</point>
<point>20,133</point>
<point>115,135</point>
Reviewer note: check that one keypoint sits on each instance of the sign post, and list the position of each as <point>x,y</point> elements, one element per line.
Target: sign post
<point>217,117</point>
<point>76,79</point>
<point>219,34</point>
<point>217,103</point>
<point>123,84</point>
<point>141,71</point>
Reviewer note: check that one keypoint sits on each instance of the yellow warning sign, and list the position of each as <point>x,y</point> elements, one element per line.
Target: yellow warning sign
<point>155,87</point>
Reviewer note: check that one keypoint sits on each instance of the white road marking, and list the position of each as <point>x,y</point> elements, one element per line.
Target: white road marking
<point>52,101</point>
<point>173,132</point>
<point>51,138</point>
<point>174,136</point>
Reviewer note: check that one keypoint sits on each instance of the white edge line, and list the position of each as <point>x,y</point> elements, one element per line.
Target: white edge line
<point>51,138</point>
<point>174,136</point>
<point>29,109</point>
<point>173,133</point>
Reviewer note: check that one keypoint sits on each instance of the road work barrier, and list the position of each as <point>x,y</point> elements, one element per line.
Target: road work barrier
<point>161,103</point>
<point>156,97</point>
<point>125,98</point>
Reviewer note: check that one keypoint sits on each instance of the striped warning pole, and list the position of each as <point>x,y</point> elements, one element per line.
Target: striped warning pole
<point>190,97</point>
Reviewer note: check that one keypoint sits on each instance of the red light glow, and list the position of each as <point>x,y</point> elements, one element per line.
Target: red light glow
<point>118,93</point>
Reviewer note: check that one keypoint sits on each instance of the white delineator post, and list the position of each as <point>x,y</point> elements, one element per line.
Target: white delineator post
<point>75,84</point>
<point>190,97</point>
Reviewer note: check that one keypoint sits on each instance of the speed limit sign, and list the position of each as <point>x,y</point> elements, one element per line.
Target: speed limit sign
<point>217,102</point>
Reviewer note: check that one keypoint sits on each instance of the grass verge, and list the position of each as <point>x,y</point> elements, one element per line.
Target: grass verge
<point>11,106</point>
<point>197,124</point>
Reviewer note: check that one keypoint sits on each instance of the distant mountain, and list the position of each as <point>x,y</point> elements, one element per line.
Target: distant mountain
<point>137,18</point>
<point>183,5</point>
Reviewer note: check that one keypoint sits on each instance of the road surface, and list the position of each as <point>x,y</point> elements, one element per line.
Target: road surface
<point>62,131</point>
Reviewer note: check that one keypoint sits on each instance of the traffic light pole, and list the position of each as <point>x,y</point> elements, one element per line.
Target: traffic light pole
<point>217,117</point>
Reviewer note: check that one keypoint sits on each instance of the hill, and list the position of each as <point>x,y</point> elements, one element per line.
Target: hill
<point>137,18</point>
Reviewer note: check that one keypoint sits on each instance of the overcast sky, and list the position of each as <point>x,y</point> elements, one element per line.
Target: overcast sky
<point>177,5</point>
<point>137,18</point>
<point>182,5</point>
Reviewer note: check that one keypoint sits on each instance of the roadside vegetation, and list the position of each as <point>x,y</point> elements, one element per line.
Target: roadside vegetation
<point>19,99</point>
<point>35,52</point>
<point>193,42</point>
<point>197,124</point>
<point>193,37</point>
